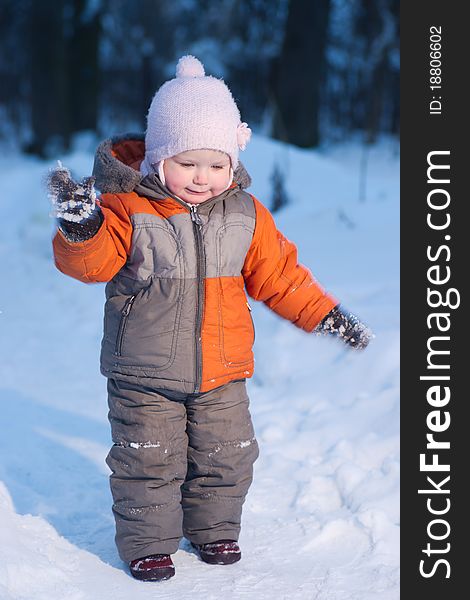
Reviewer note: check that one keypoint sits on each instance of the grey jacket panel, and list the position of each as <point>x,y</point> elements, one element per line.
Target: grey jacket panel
<point>161,248</point>
<point>151,332</point>
<point>228,230</point>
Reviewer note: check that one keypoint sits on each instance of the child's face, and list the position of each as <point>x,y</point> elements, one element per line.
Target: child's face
<point>197,175</point>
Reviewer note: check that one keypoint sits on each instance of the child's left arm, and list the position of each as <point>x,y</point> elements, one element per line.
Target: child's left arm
<point>273,275</point>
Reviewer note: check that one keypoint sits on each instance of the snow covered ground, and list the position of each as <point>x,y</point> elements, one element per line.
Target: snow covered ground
<point>322,518</point>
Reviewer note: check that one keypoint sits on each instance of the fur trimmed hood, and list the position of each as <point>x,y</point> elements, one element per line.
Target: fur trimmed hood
<point>117,163</point>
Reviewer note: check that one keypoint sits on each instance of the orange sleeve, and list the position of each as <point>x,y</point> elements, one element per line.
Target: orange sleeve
<point>103,255</point>
<point>273,275</point>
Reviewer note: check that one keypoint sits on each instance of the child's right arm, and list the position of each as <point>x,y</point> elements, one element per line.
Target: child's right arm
<point>93,238</point>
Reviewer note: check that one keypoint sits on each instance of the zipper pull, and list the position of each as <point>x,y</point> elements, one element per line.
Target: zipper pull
<point>195,218</point>
<point>127,308</point>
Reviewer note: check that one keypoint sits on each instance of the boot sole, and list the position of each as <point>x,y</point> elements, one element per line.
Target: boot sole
<point>227,559</point>
<point>154,575</point>
<point>218,559</point>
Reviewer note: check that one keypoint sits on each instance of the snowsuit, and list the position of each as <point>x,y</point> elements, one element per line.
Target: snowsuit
<point>177,344</point>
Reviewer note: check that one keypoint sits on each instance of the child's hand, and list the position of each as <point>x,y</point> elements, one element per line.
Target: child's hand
<point>74,204</point>
<point>346,326</point>
<point>71,201</point>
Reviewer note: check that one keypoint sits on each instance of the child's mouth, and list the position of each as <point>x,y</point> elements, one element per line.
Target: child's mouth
<point>196,192</point>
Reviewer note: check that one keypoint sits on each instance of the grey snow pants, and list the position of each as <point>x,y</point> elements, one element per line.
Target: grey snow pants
<point>181,465</point>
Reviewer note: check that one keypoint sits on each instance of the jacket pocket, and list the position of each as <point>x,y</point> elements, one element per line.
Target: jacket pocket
<point>252,321</point>
<point>122,325</point>
<point>141,330</point>
<point>236,329</point>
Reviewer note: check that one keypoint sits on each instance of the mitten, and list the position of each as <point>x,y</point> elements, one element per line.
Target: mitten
<point>74,205</point>
<point>346,326</point>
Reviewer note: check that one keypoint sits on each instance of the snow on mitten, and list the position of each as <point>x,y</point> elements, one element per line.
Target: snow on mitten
<point>74,204</point>
<point>346,326</point>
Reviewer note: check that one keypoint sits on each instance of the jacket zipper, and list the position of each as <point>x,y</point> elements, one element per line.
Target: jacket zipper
<point>122,325</point>
<point>201,274</point>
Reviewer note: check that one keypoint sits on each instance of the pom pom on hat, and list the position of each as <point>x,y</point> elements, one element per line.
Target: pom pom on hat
<point>193,111</point>
<point>189,66</point>
<point>243,135</point>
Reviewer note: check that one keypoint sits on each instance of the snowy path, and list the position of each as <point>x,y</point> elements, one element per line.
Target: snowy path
<point>321,520</point>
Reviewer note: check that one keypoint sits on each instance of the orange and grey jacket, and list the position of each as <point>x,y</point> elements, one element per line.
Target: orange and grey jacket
<point>176,312</point>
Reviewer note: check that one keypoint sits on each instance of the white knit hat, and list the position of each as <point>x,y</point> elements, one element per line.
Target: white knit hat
<point>194,111</point>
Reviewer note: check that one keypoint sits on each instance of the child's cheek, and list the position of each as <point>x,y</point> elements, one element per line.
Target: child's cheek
<point>175,180</point>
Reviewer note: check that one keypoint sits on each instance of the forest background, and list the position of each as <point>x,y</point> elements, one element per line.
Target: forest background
<point>68,66</point>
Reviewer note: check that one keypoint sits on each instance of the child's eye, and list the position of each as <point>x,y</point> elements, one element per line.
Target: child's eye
<point>217,167</point>
<point>187,164</point>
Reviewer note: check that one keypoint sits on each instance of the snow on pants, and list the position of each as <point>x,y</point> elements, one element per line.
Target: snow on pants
<point>181,465</point>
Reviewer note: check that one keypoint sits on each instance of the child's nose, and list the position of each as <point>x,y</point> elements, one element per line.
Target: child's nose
<point>200,177</point>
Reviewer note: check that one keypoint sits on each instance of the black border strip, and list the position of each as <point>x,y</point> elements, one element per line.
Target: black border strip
<point>434,568</point>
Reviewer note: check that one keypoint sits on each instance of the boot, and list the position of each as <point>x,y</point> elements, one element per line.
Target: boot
<point>155,567</point>
<point>222,552</point>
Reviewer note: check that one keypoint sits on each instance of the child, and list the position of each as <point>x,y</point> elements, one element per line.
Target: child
<point>178,239</point>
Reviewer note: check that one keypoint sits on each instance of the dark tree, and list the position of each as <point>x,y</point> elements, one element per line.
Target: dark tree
<point>64,72</point>
<point>13,69</point>
<point>49,107</point>
<point>83,67</point>
<point>297,74</point>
